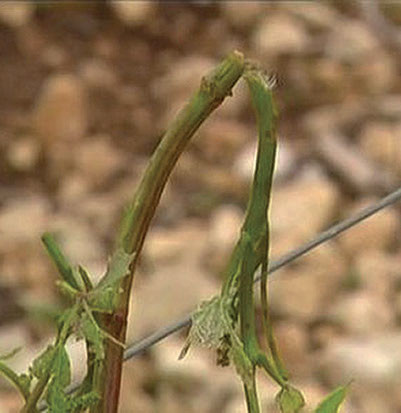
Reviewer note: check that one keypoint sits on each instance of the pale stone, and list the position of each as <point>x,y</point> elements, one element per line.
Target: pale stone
<point>302,292</point>
<point>98,160</point>
<point>375,233</point>
<point>242,15</point>
<point>278,34</point>
<point>380,141</point>
<point>350,41</point>
<point>224,230</point>
<point>24,219</point>
<point>16,14</point>
<point>134,13</point>
<point>315,14</point>
<point>60,110</point>
<point>23,154</point>
<point>300,209</point>
<point>362,313</point>
<point>177,281</point>
<point>377,272</point>
<point>374,365</point>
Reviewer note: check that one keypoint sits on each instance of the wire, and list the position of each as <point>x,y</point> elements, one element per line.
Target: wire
<point>140,346</point>
<point>154,338</point>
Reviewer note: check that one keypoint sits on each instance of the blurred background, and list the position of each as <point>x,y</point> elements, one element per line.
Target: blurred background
<point>86,92</point>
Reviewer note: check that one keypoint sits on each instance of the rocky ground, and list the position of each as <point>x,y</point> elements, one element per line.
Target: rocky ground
<point>87,91</point>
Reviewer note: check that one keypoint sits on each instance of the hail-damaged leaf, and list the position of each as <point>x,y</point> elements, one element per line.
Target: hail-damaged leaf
<point>61,368</point>
<point>10,354</point>
<point>290,400</point>
<point>57,400</point>
<point>22,382</point>
<point>82,402</point>
<point>333,402</point>
<point>104,296</point>
<point>43,363</point>
<point>93,335</point>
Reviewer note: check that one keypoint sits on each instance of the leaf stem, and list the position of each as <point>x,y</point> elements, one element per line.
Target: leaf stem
<point>136,220</point>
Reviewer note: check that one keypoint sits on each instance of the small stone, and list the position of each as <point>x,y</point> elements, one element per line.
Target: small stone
<point>317,15</point>
<point>362,313</point>
<point>377,272</point>
<point>351,41</point>
<point>220,140</point>
<point>293,343</point>
<point>225,224</point>
<point>380,141</point>
<point>134,13</point>
<point>300,209</point>
<point>23,154</point>
<point>178,281</point>
<point>98,160</point>
<point>242,15</point>
<point>17,14</point>
<point>302,292</point>
<point>372,362</point>
<point>280,34</point>
<point>97,74</point>
<point>24,219</point>
<point>378,232</point>
<point>60,110</point>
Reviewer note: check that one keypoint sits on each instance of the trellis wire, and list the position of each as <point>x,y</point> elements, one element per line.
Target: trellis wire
<point>154,338</point>
<point>324,236</point>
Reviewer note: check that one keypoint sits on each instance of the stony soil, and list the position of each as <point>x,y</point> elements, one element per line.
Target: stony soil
<point>87,91</point>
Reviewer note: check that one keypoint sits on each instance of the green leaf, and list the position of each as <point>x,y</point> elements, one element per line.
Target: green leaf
<point>83,402</point>
<point>61,368</point>
<point>290,400</point>
<point>10,354</point>
<point>43,363</point>
<point>332,402</point>
<point>104,296</point>
<point>118,267</point>
<point>22,382</point>
<point>93,335</point>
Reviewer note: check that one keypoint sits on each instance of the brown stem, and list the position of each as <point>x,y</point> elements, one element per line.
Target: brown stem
<point>136,220</point>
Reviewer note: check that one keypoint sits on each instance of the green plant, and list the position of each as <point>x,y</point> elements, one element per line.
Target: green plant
<point>98,314</point>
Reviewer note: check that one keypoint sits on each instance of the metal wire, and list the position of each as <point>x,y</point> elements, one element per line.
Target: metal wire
<point>147,342</point>
<point>141,345</point>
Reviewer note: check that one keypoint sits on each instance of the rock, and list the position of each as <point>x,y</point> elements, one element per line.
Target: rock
<point>354,170</point>
<point>351,41</point>
<point>133,13</point>
<point>377,272</point>
<point>98,160</point>
<point>318,16</point>
<point>302,292</point>
<point>220,140</point>
<point>372,363</point>
<point>293,343</point>
<point>176,282</point>
<point>17,14</point>
<point>80,244</point>
<point>376,76</point>
<point>59,113</point>
<point>380,141</point>
<point>97,74</point>
<point>225,225</point>
<point>361,313</point>
<point>242,15</point>
<point>24,219</point>
<point>194,371</point>
<point>279,34</point>
<point>300,209</point>
<point>378,232</point>
<point>23,154</point>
